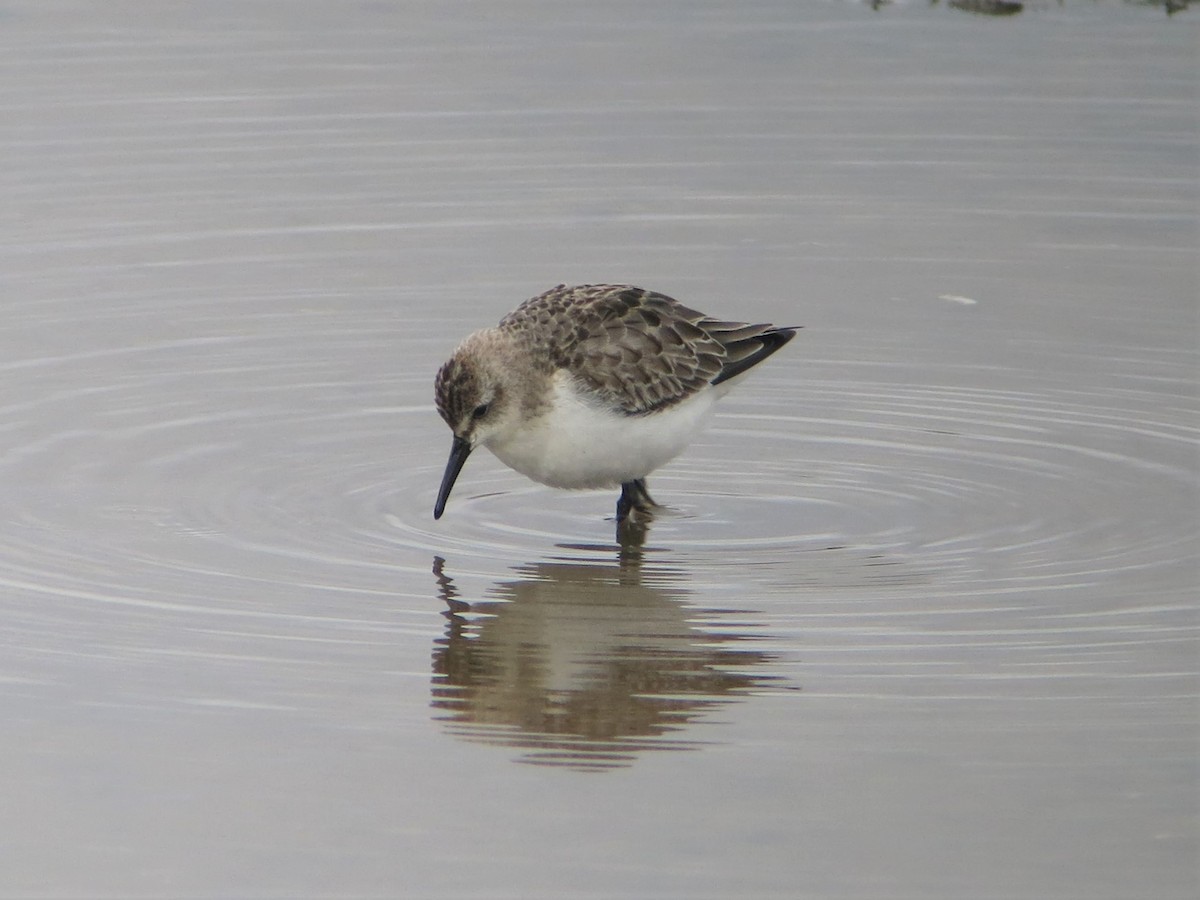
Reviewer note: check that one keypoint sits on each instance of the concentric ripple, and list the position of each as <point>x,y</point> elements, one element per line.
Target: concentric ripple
<point>228,453</point>
<point>235,452</point>
<point>994,490</point>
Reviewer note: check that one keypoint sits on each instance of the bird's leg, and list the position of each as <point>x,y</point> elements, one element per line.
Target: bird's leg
<point>634,499</point>
<point>625,502</point>
<point>635,509</point>
<point>643,501</point>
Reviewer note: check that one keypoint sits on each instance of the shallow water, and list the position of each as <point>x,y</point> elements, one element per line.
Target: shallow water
<point>921,619</point>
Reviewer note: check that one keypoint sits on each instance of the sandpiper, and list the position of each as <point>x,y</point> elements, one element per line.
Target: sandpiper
<point>593,386</point>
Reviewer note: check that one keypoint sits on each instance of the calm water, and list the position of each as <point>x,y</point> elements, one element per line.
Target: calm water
<point>922,621</point>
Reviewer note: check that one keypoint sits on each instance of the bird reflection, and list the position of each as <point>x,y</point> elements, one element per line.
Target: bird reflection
<point>586,664</point>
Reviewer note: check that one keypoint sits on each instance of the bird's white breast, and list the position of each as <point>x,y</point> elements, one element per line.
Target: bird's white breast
<point>578,444</point>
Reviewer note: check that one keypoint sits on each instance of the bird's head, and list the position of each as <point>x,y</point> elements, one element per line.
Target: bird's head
<point>472,398</point>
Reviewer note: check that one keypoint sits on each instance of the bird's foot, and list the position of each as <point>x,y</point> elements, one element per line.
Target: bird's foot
<point>635,501</point>
<point>635,509</point>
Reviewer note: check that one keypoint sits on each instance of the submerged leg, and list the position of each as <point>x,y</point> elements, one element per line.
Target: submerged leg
<point>634,499</point>
<point>635,509</point>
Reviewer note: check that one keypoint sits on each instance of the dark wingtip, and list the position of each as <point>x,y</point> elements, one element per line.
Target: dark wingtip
<point>769,341</point>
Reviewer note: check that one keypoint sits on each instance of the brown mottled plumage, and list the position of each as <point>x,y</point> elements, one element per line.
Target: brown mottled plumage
<point>639,350</point>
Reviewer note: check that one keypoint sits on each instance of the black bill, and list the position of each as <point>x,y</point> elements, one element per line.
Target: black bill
<point>459,451</point>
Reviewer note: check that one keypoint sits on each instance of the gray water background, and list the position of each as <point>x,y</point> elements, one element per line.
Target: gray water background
<point>923,619</point>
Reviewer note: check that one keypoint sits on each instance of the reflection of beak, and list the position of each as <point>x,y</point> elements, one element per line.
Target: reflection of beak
<point>459,451</point>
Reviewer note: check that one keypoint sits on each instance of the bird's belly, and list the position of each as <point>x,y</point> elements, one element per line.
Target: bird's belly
<point>577,445</point>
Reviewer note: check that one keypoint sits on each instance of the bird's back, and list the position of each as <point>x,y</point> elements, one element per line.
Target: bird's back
<point>638,351</point>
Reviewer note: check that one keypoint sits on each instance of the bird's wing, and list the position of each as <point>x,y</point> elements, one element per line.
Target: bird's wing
<point>637,350</point>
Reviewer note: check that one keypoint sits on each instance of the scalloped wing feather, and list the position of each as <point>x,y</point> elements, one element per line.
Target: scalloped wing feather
<point>639,351</point>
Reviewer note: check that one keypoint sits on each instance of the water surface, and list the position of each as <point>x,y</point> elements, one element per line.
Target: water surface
<point>921,619</point>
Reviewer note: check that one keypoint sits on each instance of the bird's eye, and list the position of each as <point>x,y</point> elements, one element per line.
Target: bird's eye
<point>480,411</point>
